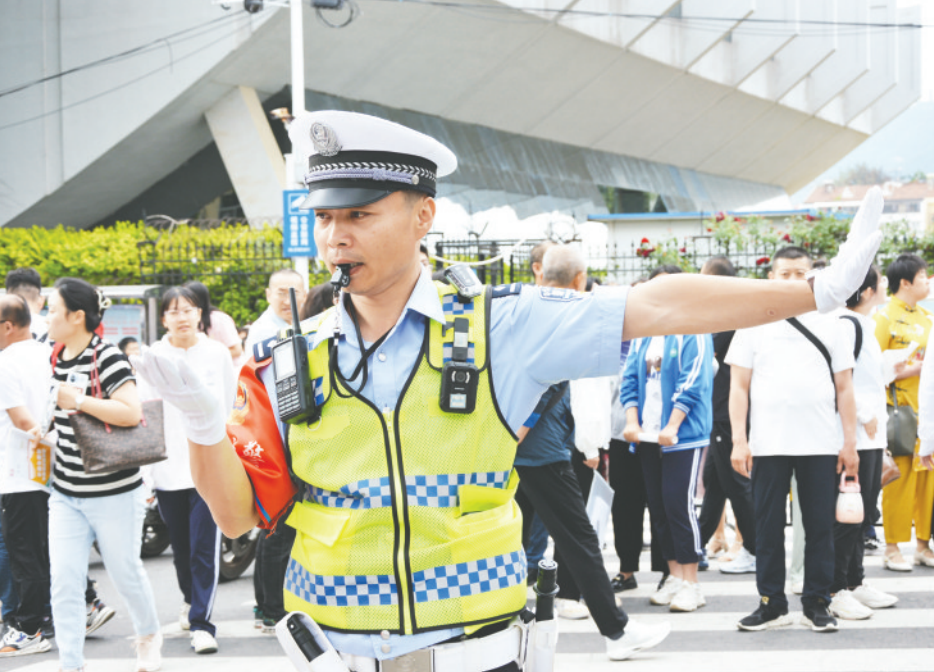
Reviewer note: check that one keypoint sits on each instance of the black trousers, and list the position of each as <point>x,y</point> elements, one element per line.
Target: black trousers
<point>722,482</point>
<point>582,471</point>
<point>771,483</point>
<point>195,551</point>
<point>670,483</point>
<point>272,559</point>
<point>553,493</point>
<point>629,504</point>
<point>26,533</point>
<point>848,538</point>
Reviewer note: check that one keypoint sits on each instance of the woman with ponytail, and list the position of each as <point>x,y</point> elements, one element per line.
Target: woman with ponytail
<point>108,507</point>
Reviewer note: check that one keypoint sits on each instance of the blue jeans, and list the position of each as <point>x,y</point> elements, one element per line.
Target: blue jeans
<point>7,587</point>
<point>116,521</point>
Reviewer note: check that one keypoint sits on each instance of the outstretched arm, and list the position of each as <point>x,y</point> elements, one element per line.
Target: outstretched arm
<point>705,304</point>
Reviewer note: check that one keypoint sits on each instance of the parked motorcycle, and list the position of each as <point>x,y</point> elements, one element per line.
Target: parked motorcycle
<point>236,554</point>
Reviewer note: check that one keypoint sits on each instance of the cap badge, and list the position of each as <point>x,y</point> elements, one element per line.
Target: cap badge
<point>324,139</point>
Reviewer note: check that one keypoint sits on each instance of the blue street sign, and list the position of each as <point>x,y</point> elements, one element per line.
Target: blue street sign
<point>297,226</point>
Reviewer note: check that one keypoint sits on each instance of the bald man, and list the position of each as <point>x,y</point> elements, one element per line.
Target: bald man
<point>548,484</point>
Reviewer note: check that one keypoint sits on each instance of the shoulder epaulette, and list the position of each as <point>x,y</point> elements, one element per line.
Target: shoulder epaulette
<point>507,290</point>
<point>263,350</point>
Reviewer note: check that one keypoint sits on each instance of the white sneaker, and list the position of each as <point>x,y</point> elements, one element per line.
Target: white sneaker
<point>572,610</point>
<point>183,621</point>
<point>636,638</point>
<point>18,643</point>
<point>872,597</point>
<point>688,598</point>
<point>845,606</point>
<point>149,652</point>
<point>743,563</point>
<point>203,641</point>
<point>797,587</point>
<point>663,595</point>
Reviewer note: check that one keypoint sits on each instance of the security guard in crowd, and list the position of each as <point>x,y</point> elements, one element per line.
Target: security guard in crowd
<point>408,535</point>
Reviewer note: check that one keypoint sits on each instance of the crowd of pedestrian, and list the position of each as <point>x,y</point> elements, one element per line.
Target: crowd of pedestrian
<point>770,419</point>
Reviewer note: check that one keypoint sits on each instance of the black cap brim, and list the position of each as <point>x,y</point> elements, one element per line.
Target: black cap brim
<point>332,198</point>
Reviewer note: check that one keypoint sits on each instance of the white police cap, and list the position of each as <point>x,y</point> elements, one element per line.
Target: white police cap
<point>352,159</point>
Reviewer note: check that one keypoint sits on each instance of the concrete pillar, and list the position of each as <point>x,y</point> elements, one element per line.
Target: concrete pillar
<point>249,151</point>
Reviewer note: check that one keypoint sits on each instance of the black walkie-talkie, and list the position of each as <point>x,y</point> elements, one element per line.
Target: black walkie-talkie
<point>295,394</point>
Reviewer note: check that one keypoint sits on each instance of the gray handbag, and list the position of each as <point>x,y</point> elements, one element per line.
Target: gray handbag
<point>902,428</point>
<point>105,448</point>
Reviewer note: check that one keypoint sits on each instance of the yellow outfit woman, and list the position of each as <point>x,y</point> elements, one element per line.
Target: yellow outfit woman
<point>911,497</point>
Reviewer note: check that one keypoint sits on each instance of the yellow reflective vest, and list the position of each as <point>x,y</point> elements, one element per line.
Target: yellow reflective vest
<point>408,521</point>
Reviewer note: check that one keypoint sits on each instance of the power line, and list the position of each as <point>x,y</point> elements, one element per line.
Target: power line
<point>662,17</point>
<point>122,55</point>
<point>120,86</point>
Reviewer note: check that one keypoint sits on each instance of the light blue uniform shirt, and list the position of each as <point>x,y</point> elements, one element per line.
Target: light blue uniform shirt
<point>538,337</point>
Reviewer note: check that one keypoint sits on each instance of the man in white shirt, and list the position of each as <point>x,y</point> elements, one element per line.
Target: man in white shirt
<point>24,396</point>
<point>795,391</point>
<point>279,313</point>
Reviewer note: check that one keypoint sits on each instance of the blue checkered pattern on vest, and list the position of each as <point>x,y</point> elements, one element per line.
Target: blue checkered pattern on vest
<point>372,493</point>
<point>318,383</point>
<point>340,591</point>
<point>470,578</point>
<point>441,490</point>
<point>452,306</point>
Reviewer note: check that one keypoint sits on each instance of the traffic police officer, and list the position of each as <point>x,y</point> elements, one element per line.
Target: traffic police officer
<point>408,535</point>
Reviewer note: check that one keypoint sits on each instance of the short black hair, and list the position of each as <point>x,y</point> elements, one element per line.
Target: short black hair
<point>720,265</point>
<point>14,309</point>
<point>871,280</point>
<point>905,267</point>
<point>173,294</point>
<point>19,277</point>
<point>423,249</point>
<point>670,269</point>
<point>791,252</point>
<point>125,343</point>
<point>203,301</point>
<point>317,300</point>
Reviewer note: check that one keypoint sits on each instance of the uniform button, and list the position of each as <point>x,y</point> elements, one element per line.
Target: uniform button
<point>381,356</point>
<point>386,648</point>
<point>384,634</point>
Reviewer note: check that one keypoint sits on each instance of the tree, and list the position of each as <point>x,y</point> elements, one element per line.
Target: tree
<point>863,174</point>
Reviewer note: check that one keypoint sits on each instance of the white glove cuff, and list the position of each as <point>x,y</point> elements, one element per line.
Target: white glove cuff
<point>208,432</point>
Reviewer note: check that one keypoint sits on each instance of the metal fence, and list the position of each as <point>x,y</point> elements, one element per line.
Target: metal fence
<point>625,264</point>
<point>243,268</point>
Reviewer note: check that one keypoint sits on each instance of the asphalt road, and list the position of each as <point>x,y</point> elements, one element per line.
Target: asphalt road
<point>895,639</point>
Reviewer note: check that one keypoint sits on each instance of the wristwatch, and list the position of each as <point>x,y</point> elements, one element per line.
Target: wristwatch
<point>78,401</point>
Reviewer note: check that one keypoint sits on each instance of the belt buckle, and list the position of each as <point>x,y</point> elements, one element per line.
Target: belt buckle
<point>417,661</point>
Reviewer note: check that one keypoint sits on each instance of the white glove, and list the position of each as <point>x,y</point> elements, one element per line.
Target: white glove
<point>846,272</point>
<point>203,417</point>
